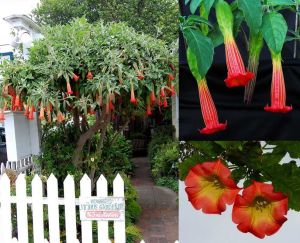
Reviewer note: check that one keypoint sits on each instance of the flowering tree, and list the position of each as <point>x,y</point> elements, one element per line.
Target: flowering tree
<point>89,75</point>
<point>248,175</point>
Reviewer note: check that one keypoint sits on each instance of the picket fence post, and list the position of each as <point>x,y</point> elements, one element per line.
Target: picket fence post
<point>37,209</point>
<point>102,191</point>
<point>5,212</point>
<point>86,226</point>
<point>52,190</point>
<point>22,218</point>
<point>119,226</point>
<point>70,209</point>
<point>2,168</point>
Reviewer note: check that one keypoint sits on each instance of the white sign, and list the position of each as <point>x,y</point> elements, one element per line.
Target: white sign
<point>102,208</point>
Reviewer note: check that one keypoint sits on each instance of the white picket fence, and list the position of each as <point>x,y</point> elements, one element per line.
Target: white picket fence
<point>20,166</point>
<point>69,201</point>
<point>37,202</point>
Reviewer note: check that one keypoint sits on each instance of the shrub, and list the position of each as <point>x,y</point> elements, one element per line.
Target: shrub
<point>161,135</point>
<point>165,161</point>
<point>169,182</point>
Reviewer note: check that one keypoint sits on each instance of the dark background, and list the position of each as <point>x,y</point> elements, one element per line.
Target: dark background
<point>245,122</point>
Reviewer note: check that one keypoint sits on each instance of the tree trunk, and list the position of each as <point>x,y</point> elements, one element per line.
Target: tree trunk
<point>76,159</point>
<point>100,146</point>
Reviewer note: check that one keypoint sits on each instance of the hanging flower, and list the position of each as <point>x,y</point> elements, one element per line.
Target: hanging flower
<point>237,74</point>
<point>30,115</point>
<point>89,75</point>
<point>111,105</point>
<point>17,102</point>
<point>75,78</point>
<point>208,109</point>
<point>42,113</point>
<point>132,96</point>
<point>165,103</point>
<point>69,89</point>
<point>49,110</point>
<point>152,97</point>
<point>209,187</point>
<point>60,117</point>
<point>2,117</point>
<point>149,109</point>
<point>162,93</point>
<point>260,210</point>
<point>26,113</point>
<point>171,77</point>
<point>172,66</point>
<point>278,94</point>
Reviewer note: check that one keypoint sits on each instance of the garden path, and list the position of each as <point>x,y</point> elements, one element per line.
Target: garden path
<point>159,219</point>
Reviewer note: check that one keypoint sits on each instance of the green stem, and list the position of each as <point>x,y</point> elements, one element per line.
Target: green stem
<point>255,47</point>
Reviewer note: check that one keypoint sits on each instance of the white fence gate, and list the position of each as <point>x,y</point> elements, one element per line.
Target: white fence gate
<point>20,166</point>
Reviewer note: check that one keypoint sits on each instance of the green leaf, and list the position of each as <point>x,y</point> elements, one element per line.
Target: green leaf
<point>192,19</point>
<point>280,2</point>
<point>238,19</point>
<point>207,4</point>
<point>216,36</point>
<point>286,178</point>
<point>192,61</point>
<point>274,29</point>
<point>194,5</point>
<point>253,13</point>
<point>202,47</point>
<point>186,2</point>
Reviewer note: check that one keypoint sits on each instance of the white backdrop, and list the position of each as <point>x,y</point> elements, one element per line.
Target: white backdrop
<point>197,227</point>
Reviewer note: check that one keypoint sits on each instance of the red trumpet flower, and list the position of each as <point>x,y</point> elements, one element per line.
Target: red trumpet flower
<point>208,110</point>
<point>69,89</point>
<point>209,187</point>
<point>42,113</point>
<point>237,74</point>
<point>30,115</point>
<point>132,96</point>
<point>60,117</point>
<point>172,66</point>
<point>2,117</point>
<point>260,210</point>
<point>152,97</point>
<point>162,93</point>
<point>111,105</point>
<point>149,109</point>
<point>89,75</point>
<point>165,103</point>
<point>278,94</point>
<point>18,102</point>
<point>49,110</point>
<point>171,77</point>
<point>26,113</point>
<point>75,77</point>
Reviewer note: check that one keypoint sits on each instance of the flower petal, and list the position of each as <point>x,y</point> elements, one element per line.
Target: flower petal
<point>260,210</point>
<point>209,187</point>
